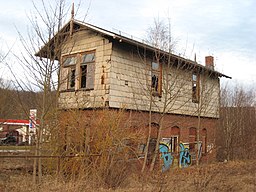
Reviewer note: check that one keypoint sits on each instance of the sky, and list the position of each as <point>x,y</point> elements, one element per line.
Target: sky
<point>225,29</point>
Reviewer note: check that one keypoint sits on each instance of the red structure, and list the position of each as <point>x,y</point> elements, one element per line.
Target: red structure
<point>15,127</point>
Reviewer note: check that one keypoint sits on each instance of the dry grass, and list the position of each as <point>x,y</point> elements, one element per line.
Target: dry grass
<point>15,175</point>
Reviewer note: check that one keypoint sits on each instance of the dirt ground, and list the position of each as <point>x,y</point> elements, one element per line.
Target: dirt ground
<point>16,175</point>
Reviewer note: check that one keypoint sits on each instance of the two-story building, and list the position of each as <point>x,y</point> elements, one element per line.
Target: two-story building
<point>101,69</point>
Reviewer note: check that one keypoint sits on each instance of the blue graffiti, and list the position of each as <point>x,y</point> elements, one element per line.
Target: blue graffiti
<point>185,158</point>
<point>166,156</point>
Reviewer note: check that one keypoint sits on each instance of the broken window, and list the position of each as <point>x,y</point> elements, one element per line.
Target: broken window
<point>87,70</point>
<point>172,142</point>
<point>72,78</point>
<point>83,76</point>
<point>156,78</point>
<point>195,88</point>
<point>69,62</point>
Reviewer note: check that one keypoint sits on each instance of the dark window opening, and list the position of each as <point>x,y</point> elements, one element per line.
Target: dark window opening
<point>154,84</point>
<point>86,73</point>
<point>156,78</point>
<point>172,142</point>
<point>87,70</point>
<point>83,76</point>
<point>195,88</point>
<point>72,79</point>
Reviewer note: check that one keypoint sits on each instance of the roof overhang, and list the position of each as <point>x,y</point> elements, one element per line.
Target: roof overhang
<point>50,49</point>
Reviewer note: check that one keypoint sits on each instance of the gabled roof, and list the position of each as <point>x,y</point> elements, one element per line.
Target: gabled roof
<point>79,26</point>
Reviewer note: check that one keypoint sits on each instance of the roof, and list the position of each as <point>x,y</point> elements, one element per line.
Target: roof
<point>82,25</point>
<point>15,122</point>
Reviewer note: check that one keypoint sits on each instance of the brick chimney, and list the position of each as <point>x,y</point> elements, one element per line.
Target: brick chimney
<point>209,62</point>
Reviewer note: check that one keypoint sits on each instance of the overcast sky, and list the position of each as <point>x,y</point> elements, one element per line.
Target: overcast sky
<point>225,29</point>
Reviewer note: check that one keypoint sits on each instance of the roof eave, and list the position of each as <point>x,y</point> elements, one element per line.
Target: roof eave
<point>43,52</point>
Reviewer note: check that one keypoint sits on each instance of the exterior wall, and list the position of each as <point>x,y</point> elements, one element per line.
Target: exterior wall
<point>138,121</point>
<point>87,41</point>
<point>130,85</point>
<point>123,80</point>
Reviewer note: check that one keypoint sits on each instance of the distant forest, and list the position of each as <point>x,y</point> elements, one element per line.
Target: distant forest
<point>15,104</point>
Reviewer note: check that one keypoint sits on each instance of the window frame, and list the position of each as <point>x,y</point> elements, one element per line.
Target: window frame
<point>70,68</point>
<point>71,79</point>
<point>89,65</point>
<point>195,87</point>
<point>157,72</point>
<point>65,57</point>
<point>74,69</point>
<point>173,142</point>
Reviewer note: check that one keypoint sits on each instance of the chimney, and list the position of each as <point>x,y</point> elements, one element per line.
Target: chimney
<point>209,62</point>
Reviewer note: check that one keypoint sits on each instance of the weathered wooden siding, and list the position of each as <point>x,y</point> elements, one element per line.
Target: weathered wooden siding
<point>123,80</point>
<point>130,80</point>
<point>80,42</point>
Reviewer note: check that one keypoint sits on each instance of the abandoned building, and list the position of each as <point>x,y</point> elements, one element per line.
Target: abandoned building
<point>101,69</point>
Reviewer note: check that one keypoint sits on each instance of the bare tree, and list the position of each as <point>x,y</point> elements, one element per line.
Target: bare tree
<point>40,71</point>
<point>169,89</point>
<point>167,82</point>
<point>237,123</point>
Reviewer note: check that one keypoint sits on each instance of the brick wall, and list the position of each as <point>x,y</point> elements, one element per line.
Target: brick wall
<point>138,121</point>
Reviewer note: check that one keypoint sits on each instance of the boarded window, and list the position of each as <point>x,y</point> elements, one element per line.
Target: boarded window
<point>195,88</point>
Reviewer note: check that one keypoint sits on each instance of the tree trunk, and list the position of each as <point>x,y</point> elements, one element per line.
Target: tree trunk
<point>155,155</point>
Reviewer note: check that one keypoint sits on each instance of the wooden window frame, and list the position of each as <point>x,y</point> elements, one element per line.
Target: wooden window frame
<point>71,68</point>
<point>71,79</point>
<point>156,87</point>
<point>195,88</point>
<point>89,65</point>
<point>79,76</point>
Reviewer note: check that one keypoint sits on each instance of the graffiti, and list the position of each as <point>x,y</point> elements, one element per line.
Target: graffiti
<point>185,158</point>
<point>166,156</point>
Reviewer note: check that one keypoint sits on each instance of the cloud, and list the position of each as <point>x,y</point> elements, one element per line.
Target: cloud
<point>225,29</point>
